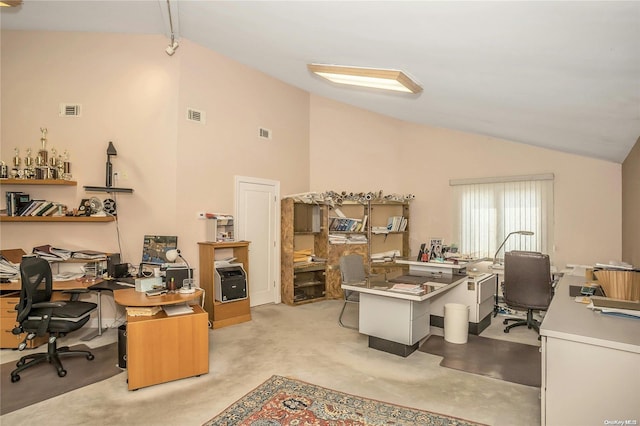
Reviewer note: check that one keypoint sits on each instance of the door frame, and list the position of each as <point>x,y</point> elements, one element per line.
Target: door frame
<point>239,180</point>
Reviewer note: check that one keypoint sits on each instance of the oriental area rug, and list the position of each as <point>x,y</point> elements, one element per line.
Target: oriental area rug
<point>283,401</point>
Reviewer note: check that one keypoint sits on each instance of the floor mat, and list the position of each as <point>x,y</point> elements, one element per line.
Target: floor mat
<point>508,361</point>
<point>41,382</point>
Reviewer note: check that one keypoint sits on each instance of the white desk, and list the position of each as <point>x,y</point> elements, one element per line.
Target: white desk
<point>430,268</point>
<point>396,322</point>
<point>590,364</point>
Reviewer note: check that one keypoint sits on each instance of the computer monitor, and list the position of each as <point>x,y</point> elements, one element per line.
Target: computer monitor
<point>155,248</point>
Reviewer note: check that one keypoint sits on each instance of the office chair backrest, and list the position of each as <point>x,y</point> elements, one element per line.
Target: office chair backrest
<point>527,280</point>
<point>37,284</point>
<point>352,268</point>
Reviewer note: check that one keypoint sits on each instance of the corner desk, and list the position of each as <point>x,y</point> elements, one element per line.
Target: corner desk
<point>590,363</point>
<point>162,348</point>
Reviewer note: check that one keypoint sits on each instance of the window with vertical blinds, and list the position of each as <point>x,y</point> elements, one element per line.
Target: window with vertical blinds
<point>489,209</point>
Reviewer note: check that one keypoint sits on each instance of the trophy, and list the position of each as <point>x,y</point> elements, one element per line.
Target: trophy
<point>29,168</point>
<point>53,166</point>
<point>66,166</point>
<point>43,152</point>
<point>16,172</point>
<point>4,170</point>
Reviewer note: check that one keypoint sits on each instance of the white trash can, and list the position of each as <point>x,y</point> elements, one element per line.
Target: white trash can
<point>456,323</point>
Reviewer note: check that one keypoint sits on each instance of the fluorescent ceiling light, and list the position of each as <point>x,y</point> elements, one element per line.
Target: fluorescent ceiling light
<point>367,77</point>
<point>10,3</point>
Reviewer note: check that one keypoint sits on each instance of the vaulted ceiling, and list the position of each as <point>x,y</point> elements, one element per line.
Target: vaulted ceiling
<point>559,75</point>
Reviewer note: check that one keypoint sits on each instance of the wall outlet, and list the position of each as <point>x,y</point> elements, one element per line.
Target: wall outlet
<point>201,215</point>
<point>120,175</point>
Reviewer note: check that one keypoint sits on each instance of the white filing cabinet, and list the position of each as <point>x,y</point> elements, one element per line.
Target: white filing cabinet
<point>477,293</point>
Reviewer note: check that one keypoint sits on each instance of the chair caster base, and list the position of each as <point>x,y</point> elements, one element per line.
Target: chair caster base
<point>15,378</point>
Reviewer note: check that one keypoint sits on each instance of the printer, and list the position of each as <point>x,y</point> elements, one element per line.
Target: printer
<point>230,281</point>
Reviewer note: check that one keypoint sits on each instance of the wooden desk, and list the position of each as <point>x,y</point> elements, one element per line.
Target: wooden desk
<point>131,297</point>
<point>162,348</point>
<point>57,285</point>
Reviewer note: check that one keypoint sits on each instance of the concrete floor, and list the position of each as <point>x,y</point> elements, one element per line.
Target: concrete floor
<point>302,342</point>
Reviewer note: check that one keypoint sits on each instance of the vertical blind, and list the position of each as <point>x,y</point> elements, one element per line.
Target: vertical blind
<point>489,209</point>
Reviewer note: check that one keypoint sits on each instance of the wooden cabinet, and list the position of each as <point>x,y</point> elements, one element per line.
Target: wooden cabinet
<point>163,348</point>
<point>303,227</point>
<point>315,226</point>
<point>8,315</point>
<point>59,182</point>
<point>228,313</point>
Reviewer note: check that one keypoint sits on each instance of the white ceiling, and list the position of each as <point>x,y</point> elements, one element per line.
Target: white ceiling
<point>560,75</point>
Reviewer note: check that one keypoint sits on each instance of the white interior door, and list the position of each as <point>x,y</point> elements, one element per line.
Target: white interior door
<point>258,221</point>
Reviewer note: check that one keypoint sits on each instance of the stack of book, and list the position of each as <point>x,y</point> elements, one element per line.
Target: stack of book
<point>36,208</point>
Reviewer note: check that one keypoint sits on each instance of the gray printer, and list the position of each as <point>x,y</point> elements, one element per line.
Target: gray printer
<point>230,282</point>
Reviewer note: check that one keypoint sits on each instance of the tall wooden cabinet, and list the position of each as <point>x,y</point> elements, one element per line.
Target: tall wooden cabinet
<point>302,283</point>
<point>227,313</point>
<point>303,227</point>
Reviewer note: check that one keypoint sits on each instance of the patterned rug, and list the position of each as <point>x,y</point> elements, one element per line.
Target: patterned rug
<point>283,401</point>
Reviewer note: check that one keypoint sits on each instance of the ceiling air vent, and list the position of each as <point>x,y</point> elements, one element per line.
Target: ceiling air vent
<point>70,110</point>
<point>195,115</point>
<point>264,133</point>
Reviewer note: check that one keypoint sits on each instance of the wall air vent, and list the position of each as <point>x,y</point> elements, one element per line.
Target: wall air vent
<point>195,115</point>
<point>264,133</point>
<point>70,110</point>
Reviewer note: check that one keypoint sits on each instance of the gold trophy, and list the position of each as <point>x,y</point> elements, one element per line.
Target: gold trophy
<point>29,169</point>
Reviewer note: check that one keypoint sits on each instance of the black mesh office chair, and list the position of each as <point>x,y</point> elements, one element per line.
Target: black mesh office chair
<point>351,271</point>
<point>38,315</point>
<point>527,285</point>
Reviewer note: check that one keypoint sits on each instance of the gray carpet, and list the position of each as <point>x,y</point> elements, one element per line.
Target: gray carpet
<point>42,382</point>
<point>509,361</point>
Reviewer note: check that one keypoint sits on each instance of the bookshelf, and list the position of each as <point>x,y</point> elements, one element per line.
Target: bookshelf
<point>314,227</point>
<point>303,228</point>
<point>47,182</point>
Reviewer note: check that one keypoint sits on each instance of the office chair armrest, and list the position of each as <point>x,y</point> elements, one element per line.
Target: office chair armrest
<point>75,293</point>
<point>59,304</point>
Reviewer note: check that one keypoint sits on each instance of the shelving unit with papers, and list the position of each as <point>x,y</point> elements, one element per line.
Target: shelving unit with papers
<point>395,237</point>
<point>304,241</point>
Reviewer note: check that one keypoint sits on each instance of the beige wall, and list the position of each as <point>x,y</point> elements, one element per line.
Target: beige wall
<point>362,151</point>
<point>135,95</point>
<point>631,207</point>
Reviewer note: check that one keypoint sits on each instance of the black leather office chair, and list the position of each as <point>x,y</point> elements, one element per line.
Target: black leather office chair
<point>351,271</point>
<point>527,285</point>
<point>38,315</point>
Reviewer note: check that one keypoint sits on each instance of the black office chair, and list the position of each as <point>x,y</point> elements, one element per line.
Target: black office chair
<point>527,285</point>
<point>351,271</point>
<point>38,315</point>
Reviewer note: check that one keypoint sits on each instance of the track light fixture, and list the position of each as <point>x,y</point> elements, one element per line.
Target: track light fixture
<point>171,49</point>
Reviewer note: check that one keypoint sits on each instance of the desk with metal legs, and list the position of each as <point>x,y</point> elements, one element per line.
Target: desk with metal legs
<point>106,285</point>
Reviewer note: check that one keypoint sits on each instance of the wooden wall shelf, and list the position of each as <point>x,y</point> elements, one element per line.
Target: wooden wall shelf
<point>12,181</point>
<point>74,219</point>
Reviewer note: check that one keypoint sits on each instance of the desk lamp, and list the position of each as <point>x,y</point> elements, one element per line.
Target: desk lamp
<point>495,256</point>
<point>172,255</point>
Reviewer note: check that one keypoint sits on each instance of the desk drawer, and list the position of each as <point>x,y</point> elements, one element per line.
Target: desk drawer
<point>8,322</point>
<point>8,303</point>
